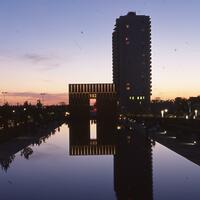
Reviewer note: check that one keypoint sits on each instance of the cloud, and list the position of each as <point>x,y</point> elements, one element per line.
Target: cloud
<point>43,62</point>
<point>22,94</point>
<point>32,97</point>
<point>50,67</point>
<point>35,58</point>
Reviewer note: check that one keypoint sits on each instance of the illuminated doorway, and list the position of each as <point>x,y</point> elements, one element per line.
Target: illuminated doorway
<point>93,105</point>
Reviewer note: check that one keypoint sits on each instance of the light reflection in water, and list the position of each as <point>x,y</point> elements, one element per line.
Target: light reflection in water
<point>93,130</point>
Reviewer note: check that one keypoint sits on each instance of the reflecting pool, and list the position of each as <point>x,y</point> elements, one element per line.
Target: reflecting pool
<point>69,162</point>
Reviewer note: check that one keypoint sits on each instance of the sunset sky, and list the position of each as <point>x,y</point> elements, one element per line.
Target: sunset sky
<point>47,44</point>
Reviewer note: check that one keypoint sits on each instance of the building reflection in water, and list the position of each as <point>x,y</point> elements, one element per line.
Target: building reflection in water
<point>132,153</point>
<point>133,166</point>
<point>83,142</point>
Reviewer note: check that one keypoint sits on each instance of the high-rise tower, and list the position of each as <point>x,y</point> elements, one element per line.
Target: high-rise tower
<point>132,61</point>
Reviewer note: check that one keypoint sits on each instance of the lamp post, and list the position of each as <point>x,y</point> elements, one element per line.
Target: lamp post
<point>189,107</point>
<point>42,97</point>
<point>4,96</point>
<point>162,113</point>
<point>195,112</point>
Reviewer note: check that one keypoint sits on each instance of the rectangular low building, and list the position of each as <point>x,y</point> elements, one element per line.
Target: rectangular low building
<point>99,97</point>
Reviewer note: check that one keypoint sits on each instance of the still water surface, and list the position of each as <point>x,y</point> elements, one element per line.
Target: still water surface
<point>48,171</point>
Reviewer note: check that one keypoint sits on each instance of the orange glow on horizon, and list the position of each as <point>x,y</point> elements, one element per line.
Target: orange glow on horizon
<point>47,99</point>
<point>56,98</point>
<point>174,94</point>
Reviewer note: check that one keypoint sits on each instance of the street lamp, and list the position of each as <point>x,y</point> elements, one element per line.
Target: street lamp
<point>42,97</point>
<point>162,113</point>
<point>195,112</point>
<point>4,96</point>
<point>189,107</point>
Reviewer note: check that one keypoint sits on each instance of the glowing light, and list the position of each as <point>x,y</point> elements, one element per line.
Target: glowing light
<point>162,113</point>
<point>66,114</point>
<point>196,112</point>
<point>163,132</point>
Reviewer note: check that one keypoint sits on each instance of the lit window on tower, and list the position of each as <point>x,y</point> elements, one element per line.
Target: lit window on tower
<point>127,41</point>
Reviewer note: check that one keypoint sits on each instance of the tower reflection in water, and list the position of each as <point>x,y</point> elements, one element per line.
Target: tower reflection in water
<point>131,150</point>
